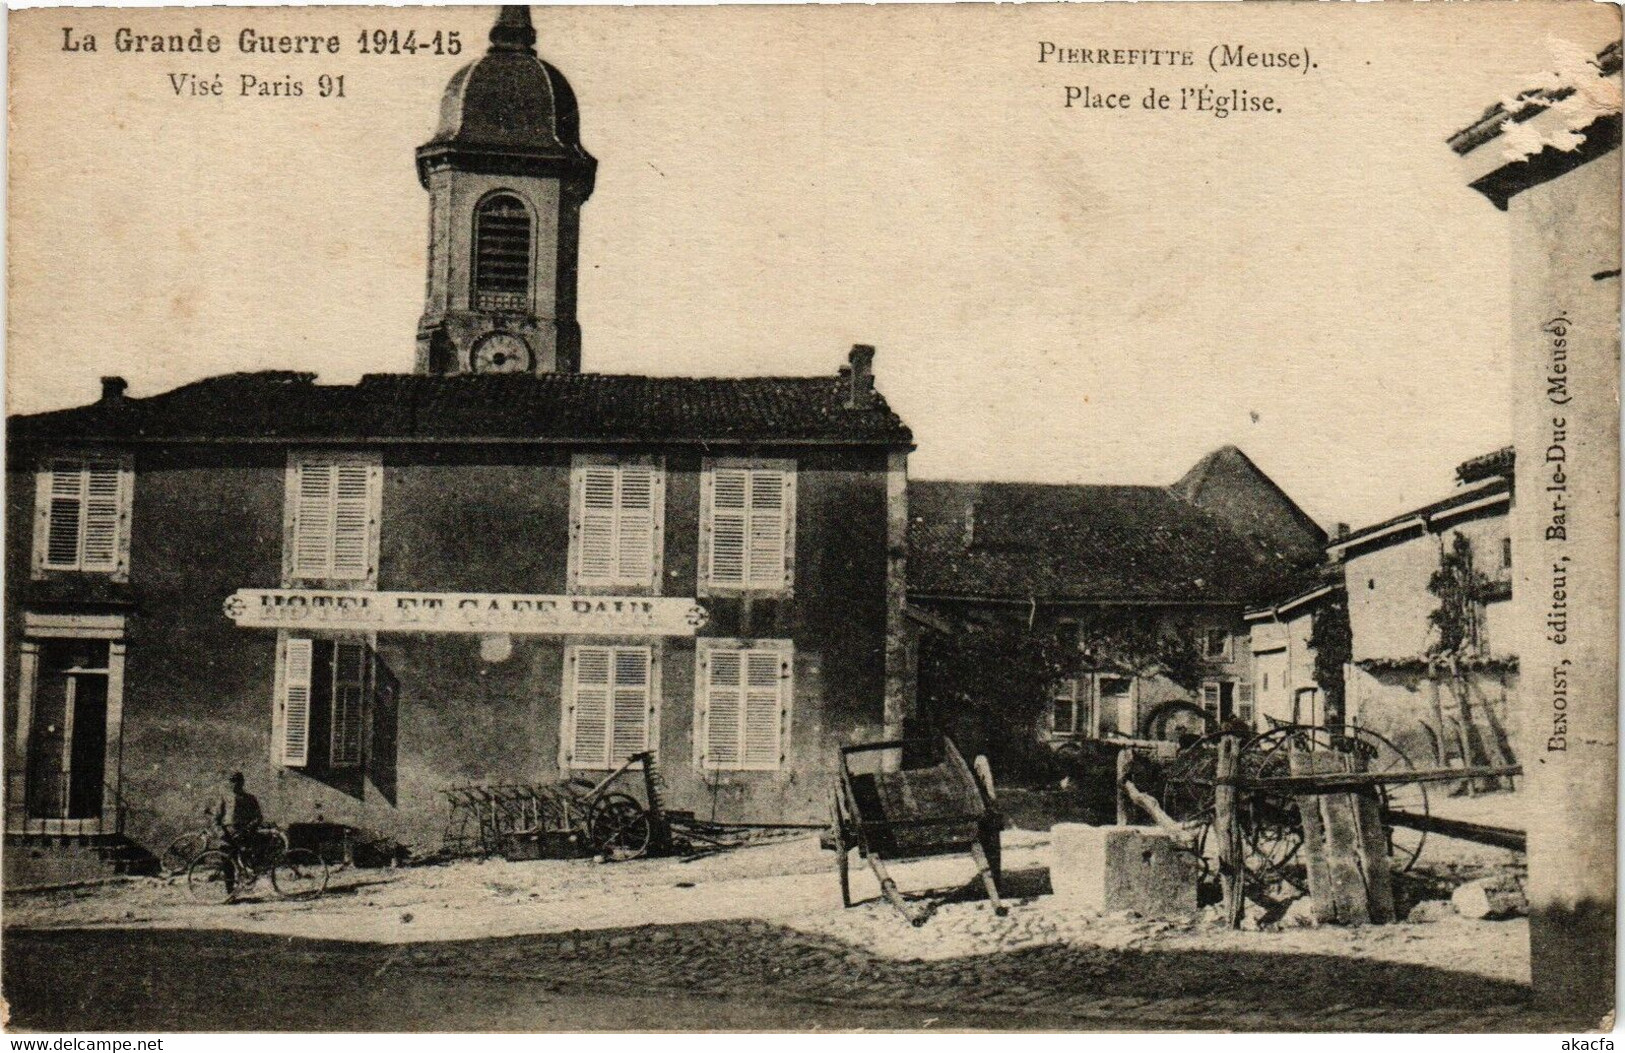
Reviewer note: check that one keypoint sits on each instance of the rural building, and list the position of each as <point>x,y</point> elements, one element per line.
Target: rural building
<point>1438,694</point>
<point>495,568</point>
<point>1282,641</point>
<point>1115,569</point>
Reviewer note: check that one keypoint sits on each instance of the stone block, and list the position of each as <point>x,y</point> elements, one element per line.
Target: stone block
<point>1122,868</point>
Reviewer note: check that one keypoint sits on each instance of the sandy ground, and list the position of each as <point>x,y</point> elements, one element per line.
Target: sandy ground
<point>788,883</point>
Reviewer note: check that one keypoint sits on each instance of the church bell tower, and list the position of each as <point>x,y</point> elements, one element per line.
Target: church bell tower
<point>507,176</point>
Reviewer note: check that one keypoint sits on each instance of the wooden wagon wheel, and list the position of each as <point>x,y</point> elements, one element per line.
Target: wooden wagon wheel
<point>619,827</point>
<point>837,822</point>
<point>1272,829</point>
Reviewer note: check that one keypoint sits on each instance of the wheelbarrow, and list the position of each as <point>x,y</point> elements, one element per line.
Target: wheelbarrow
<point>915,812</point>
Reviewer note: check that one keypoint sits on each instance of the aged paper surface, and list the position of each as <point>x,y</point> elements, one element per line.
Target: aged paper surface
<point>518,456</point>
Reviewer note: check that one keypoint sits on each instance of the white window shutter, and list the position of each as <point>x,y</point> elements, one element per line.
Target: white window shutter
<point>766,528</point>
<point>296,671</point>
<point>729,513</point>
<point>724,706</point>
<point>589,707</point>
<point>597,543</point>
<point>634,539</point>
<point>101,516</point>
<point>66,515</point>
<point>630,728</point>
<point>765,676</point>
<point>351,507</point>
<point>313,519</point>
<point>1244,702</point>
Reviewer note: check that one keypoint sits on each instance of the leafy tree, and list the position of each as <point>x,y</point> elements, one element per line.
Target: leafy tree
<point>1460,586</point>
<point>988,686</point>
<point>1137,642</point>
<point>1333,643</point>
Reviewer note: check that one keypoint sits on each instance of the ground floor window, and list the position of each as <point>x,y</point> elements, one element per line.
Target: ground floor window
<point>322,701</point>
<point>1226,700</point>
<point>611,704</point>
<point>1117,705</point>
<point>742,704</point>
<point>1072,708</point>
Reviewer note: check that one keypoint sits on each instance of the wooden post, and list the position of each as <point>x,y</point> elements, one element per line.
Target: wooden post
<point>1345,847</point>
<point>1228,830</point>
<point>1124,757</point>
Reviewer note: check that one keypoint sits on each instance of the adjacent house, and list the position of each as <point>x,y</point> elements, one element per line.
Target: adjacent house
<point>496,568</point>
<point>1119,569</point>
<point>1432,665</point>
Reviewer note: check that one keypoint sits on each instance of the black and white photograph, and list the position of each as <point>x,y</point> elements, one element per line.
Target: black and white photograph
<point>928,517</point>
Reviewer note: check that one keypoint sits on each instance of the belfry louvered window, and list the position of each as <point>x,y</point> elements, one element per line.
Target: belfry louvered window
<point>747,527</point>
<point>333,533</point>
<point>743,704</point>
<point>502,250</point>
<point>610,706</point>
<point>617,508</point>
<point>84,514</point>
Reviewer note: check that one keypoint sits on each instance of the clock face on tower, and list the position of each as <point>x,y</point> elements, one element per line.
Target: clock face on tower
<point>501,353</point>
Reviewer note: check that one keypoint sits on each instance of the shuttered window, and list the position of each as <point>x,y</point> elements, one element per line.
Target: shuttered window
<point>329,679</point>
<point>85,509</point>
<point>334,503</point>
<point>1244,703</point>
<point>743,702</point>
<point>748,522</point>
<point>610,705</point>
<point>616,532</point>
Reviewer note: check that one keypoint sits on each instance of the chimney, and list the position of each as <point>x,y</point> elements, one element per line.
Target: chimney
<point>1342,531</point>
<point>860,377</point>
<point>113,388</point>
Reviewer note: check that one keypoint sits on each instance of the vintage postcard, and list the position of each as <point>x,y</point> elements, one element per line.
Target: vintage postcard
<point>1035,517</point>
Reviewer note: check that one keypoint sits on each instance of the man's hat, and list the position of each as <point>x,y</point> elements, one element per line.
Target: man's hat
<point>236,778</point>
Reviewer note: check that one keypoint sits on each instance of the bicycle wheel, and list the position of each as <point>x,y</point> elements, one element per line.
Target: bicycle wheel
<point>181,851</point>
<point>212,878</point>
<point>299,874</point>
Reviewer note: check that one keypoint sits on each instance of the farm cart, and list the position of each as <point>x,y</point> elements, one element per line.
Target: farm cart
<point>1278,803</point>
<point>915,812</point>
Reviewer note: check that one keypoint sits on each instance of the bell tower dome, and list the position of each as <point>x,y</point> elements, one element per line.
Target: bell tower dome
<point>507,176</point>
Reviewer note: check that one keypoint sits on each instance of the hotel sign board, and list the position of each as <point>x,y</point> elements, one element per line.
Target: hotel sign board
<point>465,612</point>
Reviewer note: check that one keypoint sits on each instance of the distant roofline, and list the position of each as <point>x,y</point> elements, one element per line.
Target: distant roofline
<point>1205,464</point>
<point>1494,491</point>
<point>1302,598</point>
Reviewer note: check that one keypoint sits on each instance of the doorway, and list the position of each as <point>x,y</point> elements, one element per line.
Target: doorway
<point>67,739</point>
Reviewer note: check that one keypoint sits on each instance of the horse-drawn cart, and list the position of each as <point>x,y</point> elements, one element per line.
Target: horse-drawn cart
<point>913,812</point>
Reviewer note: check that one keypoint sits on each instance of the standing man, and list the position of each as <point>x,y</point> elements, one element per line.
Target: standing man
<point>238,816</point>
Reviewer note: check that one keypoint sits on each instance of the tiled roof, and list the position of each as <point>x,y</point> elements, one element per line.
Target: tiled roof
<point>552,407</point>
<point>1130,544</point>
<point>1485,466</point>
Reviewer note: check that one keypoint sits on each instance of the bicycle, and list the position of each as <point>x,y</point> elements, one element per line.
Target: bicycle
<point>220,875</point>
<point>178,856</point>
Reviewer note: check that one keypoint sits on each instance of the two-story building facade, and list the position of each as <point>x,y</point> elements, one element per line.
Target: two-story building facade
<point>494,569</point>
<point>1436,699</point>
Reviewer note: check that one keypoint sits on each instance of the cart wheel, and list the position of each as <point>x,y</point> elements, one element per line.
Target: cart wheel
<point>842,864</point>
<point>618,827</point>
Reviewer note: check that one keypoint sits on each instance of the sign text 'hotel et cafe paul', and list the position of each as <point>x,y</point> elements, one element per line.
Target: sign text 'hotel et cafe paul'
<point>465,612</point>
